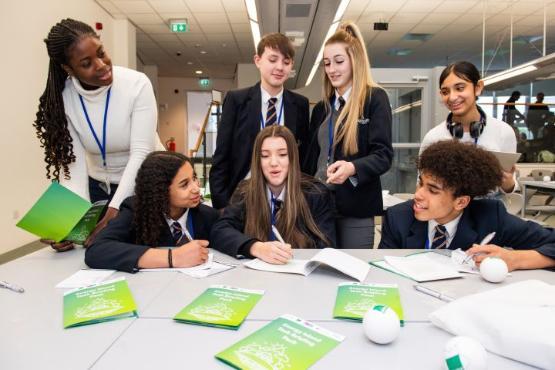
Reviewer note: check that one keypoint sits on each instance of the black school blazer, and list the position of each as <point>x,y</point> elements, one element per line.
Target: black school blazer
<point>374,157</point>
<point>237,130</point>
<point>115,248</point>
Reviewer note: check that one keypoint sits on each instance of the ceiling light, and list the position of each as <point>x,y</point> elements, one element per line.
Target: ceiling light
<point>417,37</point>
<point>341,10</point>
<point>199,72</point>
<point>399,52</point>
<point>255,33</point>
<point>189,63</point>
<point>251,9</point>
<point>203,51</point>
<point>509,73</point>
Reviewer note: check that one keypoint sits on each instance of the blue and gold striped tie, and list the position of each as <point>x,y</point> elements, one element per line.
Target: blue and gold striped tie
<point>271,115</point>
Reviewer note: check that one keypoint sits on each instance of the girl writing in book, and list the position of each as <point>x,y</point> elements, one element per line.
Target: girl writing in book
<point>351,137</point>
<point>165,212</point>
<point>95,121</point>
<point>276,194</point>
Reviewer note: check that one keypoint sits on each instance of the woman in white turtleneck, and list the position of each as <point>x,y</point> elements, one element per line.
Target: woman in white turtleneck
<point>97,122</point>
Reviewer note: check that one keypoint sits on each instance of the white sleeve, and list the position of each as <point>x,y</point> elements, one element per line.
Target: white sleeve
<point>79,181</point>
<point>143,140</point>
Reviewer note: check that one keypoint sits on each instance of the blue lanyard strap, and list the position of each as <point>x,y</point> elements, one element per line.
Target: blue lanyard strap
<point>263,123</point>
<point>190,226</point>
<point>102,146</point>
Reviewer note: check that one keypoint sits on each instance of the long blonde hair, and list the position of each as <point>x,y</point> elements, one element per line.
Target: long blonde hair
<point>348,33</point>
<point>294,212</point>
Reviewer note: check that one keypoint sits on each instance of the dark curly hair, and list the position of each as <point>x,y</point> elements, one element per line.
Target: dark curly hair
<point>51,122</point>
<point>461,167</point>
<point>152,200</point>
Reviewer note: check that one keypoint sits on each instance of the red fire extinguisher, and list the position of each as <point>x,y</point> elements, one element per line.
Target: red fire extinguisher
<point>170,144</point>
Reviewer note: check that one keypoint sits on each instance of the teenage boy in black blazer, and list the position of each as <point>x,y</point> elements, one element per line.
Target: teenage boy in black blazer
<point>247,111</point>
<point>444,214</point>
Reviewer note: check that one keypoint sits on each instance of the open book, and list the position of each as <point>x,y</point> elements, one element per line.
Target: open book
<point>340,261</point>
<point>60,214</point>
<point>420,267</point>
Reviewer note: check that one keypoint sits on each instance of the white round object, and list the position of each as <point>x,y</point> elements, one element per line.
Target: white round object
<point>381,324</point>
<point>465,353</point>
<point>547,178</point>
<point>494,269</point>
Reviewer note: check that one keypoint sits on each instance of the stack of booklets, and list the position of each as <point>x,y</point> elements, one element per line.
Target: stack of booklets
<point>353,300</point>
<point>60,214</point>
<point>110,300</point>
<point>220,306</point>
<point>285,343</point>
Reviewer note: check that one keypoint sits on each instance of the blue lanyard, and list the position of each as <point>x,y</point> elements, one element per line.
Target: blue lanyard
<point>427,245</point>
<point>103,145</point>
<point>190,226</point>
<point>272,206</point>
<point>263,124</point>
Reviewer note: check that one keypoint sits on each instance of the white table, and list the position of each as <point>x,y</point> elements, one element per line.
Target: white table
<point>32,334</point>
<point>540,185</point>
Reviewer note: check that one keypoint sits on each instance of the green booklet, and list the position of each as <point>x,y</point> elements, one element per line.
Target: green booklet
<point>110,300</point>
<point>285,343</point>
<point>60,214</point>
<point>220,306</point>
<point>354,299</point>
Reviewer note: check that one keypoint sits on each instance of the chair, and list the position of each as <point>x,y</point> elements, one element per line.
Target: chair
<point>513,202</point>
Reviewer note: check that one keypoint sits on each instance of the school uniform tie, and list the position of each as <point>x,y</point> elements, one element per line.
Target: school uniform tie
<point>440,237</point>
<point>177,231</point>
<point>277,206</point>
<point>341,104</point>
<point>271,114</point>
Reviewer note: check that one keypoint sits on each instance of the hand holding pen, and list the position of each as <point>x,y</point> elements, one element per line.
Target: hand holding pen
<point>472,252</point>
<point>275,252</point>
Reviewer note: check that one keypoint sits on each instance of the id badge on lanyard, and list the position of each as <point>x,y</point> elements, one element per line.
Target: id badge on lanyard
<point>102,146</point>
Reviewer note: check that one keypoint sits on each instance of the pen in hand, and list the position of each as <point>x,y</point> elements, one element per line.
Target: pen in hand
<point>277,234</point>
<point>12,287</point>
<point>488,238</point>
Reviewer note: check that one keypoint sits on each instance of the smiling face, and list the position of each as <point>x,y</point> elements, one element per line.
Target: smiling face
<point>459,96</point>
<point>184,191</point>
<point>88,62</point>
<point>274,160</point>
<point>432,201</point>
<point>274,69</point>
<point>337,65</point>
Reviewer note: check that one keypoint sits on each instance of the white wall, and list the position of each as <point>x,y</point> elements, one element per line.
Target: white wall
<point>172,107</point>
<point>125,37</point>
<point>23,27</point>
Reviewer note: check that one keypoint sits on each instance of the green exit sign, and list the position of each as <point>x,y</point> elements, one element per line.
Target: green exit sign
<point>179,25</point>
<point>204,82</point>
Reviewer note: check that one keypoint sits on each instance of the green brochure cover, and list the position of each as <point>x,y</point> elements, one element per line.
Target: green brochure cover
<point>354,299</point>
<point>110,300</point>
<point>220,306</point>
<point>86,225</point>
<point>285,343</point>
<point>56,214</point>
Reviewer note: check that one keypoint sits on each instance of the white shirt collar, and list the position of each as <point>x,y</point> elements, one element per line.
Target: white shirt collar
<point>345,96</point>
<point>182,220</point>
<point>451,228</point>
<point>266,96</point>
<point>269,194</point>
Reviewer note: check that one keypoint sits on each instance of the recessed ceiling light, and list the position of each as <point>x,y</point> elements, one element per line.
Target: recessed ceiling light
<point>199,72</point>
<point>189,63</point>
<point>399,52</point>
<point>197,45</point>
<point>203,51</point>
<point>224,45</point>
<point>417,37</point>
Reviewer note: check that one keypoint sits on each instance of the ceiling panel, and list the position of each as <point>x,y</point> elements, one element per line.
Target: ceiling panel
<point>168,6</point>
<point>130,7</point>
<point>208,6</point>
<point>420,6</point>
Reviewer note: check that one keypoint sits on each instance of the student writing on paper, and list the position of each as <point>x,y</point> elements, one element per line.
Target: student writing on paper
<point>459,88</point>
<point>96,121</point>
<point>164,210</point>
<point>247,111</point>
<point>444,213</point>
<point>350,145</point>
<point>276,194</point>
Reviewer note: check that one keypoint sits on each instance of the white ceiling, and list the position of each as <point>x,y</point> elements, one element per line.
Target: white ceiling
<point>221,29</point>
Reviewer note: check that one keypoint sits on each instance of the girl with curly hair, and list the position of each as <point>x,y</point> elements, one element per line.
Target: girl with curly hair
<point>277,194</point>
<point>351,137</point>
<point>95,121</point>
<point>165,212</point>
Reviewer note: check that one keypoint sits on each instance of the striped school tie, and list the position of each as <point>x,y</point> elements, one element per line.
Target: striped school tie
<point>177,231</point>
<point>440,237</point>
<point>271,115</point>
<point>341,104</point>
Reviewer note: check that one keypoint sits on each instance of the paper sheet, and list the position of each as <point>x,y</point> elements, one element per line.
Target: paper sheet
<point>85,277</point>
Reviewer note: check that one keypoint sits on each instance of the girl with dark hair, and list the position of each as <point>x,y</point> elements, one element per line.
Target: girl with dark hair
<point>276,194</point>
<point>351,137</point>
<point>460,85</point>
<point>165,211</point>
<point>96,122</point>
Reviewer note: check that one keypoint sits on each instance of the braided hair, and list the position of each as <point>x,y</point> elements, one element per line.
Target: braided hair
<point>152,199</point>
<point>51,122</point>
